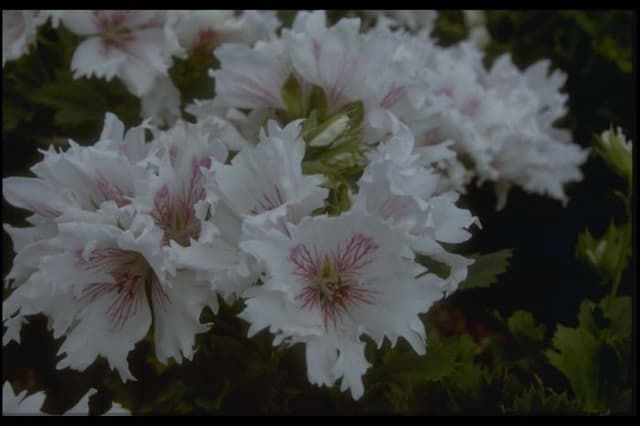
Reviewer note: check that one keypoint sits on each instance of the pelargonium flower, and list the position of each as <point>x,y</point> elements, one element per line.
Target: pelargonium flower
<point>263,187</point>
<point>134,45</point>
<point>81,179</point>
<point>397,188</point>
<point>96,259</point>
<point>99,290</point>
<point>170,193</point>
<point>81,184</point>
<point>339,60</point>
<point>203,30</point>
<point>500,120</point>
<point>333,279</point>
<point>265,182</point>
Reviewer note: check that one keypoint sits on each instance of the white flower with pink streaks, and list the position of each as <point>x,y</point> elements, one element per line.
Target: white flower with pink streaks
<point>333,280</point>
<point>75,184</point>
<point>170,194</point>
<point>338,59</point>
<point>500,121</point>
<point>377,68</point>
<point>398,189</point>
<point>251,77</point>
<point>262,188</point>
<point>99,290</point>
<point>203,30</point>
<point>264,184</point>
<point>133,45</point>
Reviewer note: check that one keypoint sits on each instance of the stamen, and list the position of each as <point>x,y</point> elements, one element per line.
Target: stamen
<point>331,281</point>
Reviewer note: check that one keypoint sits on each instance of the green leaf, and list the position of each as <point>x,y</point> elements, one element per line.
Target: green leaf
<point>608,253</point>
<point>574,355</point>
<point>451,360</point>
<point>486,269</point>
<point>595,356</point>
<point>433,266</point>
<point>292,98</point>
<point>318,103</point>
<point>528,336</point>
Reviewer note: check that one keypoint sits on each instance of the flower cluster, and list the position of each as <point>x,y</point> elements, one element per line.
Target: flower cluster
<point>329,161</point>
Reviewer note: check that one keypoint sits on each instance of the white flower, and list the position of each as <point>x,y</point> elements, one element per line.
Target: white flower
<point>398,189</point>
<point>99,291</point>
<point>332,280</point>
<point>19,29</point>
<point>240,129</point>
<point>96,262</point>
<point>77,183</point>
<point>338,59</point>
<point>538,164</point>
<point>13,404</point>
<point>170,196</point>
<point>263,187</point>
<point>422,20</point>
<point>205,29</point>
<point>134,45</point>
<point>251,77</point>
<point>500,121</point>
<point>265,184</point>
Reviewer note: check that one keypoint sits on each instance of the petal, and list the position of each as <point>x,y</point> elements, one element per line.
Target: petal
<point>177,312</point>
<point>92,57</point>
<point>80,21</point>
<point>33,194</point>
<point>96,333</point>
<point>351,366</point>
<point>321,354</point>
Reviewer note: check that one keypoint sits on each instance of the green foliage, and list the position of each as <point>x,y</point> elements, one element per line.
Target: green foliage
<point>43,103</point>
<point>534,400</point>
<point>605,254</point>
<point>449,367</point>
<point>191,76</point>
<point>595,355</point>
<point>450,27</point>
<point>292,99</point>
<point>486,269</point>
<point>528,336</point>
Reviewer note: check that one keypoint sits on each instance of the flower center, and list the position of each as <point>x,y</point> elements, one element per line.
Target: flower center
<point>131,276</point>
<point>174,213</point>
<point>333,282</point>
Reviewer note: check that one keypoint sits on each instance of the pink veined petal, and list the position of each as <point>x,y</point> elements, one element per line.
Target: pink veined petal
<point>33,194</point>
